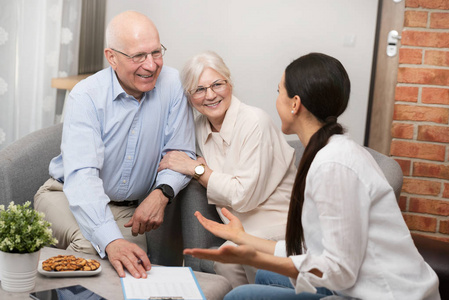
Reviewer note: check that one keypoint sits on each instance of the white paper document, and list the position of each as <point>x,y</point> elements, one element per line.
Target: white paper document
<point>163,283</point>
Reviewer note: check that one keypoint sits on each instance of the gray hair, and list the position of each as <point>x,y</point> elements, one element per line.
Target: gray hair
<point>195,66</point>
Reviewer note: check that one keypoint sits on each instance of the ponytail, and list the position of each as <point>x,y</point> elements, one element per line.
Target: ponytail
<point>295,235</point>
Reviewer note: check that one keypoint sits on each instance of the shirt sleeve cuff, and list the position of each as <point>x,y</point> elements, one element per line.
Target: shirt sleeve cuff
<point>174,179</point>
<point>103,236</point>
<point>302,283</point>
<point>280,249</point>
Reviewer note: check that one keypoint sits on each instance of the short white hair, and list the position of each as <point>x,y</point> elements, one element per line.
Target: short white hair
<point>111,37</point>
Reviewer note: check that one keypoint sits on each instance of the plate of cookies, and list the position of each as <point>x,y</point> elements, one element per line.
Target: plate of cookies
<point>68,266</point>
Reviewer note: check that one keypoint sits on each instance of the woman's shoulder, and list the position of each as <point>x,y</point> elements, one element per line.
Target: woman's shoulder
<point>343,150</point>
<point>256,116</point>
<point>341,143</point>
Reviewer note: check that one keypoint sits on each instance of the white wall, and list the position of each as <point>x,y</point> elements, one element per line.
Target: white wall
<point>259,38</point>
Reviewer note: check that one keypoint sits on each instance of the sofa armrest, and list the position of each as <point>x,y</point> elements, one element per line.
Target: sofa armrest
<point>24,164</point>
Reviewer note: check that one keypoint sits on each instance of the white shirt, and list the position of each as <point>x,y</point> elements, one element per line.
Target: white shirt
<point>355,233</point>
<point>253,169</point>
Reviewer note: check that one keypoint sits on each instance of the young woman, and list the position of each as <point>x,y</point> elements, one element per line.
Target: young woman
<point>345,232</point>
<point>246,164</point>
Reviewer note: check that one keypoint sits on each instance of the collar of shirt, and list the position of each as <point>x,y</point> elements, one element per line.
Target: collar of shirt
<point>227,128</point>
<point>119,92</point>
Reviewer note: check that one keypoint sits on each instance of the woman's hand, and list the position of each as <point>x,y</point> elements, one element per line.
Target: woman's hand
<point>226,254</point>
<point>233,231</point>
<point>178,161</point>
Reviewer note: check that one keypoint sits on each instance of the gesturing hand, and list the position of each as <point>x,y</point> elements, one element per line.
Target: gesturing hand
<point>231,231</point>
<point>126,255</point>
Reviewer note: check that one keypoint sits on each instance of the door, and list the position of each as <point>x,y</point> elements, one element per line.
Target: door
<point>384,78</point>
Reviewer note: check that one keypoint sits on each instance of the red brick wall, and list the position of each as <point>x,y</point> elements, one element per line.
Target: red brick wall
<point>420,126</point>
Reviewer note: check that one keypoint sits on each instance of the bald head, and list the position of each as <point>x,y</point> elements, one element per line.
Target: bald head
<point>128,27</point>
<point>129,35</point>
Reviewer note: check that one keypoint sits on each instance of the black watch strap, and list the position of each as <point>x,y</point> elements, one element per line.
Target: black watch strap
<point>167,191</point>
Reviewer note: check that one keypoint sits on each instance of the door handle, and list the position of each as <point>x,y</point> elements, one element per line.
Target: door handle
<point>392,43</point>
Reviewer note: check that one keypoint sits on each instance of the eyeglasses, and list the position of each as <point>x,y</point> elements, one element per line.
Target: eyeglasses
<point>141,57</point>
<point>200,92</point>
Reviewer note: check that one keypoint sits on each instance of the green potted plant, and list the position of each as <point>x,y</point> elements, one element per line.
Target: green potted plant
<point>23,232</point>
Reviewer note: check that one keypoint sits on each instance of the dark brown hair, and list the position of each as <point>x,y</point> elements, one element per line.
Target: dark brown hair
<point>323,86</point>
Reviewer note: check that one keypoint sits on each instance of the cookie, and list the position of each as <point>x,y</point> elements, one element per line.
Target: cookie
<point>91,265</point>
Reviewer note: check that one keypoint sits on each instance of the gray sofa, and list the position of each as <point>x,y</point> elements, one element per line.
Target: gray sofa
<point>24,168</point>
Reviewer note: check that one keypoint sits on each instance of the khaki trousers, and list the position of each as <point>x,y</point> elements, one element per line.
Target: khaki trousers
<point>51,200</point>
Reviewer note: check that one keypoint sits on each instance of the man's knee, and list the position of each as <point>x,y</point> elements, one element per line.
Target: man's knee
<point>48,196</point>
<point>51,200</point>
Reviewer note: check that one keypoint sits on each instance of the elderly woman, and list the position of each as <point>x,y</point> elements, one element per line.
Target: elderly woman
<point>246,165</point>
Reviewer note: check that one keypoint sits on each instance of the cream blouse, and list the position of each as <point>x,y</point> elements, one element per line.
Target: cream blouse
<point>253,169</point>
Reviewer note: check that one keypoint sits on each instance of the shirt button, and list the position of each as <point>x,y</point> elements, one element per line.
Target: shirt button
<point>124,181</point>
<point>133,132</point>
<point>129,156</point>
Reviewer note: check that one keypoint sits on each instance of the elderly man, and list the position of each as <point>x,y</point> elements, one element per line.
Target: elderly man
<point>118,125</point>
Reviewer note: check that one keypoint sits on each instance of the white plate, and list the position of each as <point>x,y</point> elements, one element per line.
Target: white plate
<point>66,273</point>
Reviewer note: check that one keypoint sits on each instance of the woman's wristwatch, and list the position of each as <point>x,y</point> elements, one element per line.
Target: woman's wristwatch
<point>199,171</point>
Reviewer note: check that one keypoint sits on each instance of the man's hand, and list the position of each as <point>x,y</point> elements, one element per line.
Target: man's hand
<point>149,214</point>
<point>126,255</point>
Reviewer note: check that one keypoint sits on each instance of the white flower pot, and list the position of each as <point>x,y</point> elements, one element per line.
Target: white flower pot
<point>18,271</point>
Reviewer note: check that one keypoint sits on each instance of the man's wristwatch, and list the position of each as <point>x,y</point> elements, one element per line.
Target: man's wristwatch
<point>199,171</point>
<point>167,191</point>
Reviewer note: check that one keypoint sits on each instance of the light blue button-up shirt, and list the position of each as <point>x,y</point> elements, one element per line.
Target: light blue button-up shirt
<point>112,144</point>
